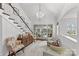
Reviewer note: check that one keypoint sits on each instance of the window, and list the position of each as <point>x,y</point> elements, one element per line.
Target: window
<point>43,30</point>
<point>68,26</point>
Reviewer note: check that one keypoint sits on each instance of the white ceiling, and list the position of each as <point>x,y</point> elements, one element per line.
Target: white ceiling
<point>57,10</point>
<point>55,7</point>
<point>31,9</point>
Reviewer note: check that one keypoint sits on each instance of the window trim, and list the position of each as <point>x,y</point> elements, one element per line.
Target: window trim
<point>70,38</point>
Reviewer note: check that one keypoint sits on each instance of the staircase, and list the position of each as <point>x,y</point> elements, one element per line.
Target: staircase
<point>10,15</point>
<point>16,20</point>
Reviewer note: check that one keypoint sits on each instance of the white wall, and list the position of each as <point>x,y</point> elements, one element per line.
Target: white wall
<point>78,34</point>
<point>63,30</point>
<point>47,20</point>
<point>49,17</point>
<point>0,35</point>
<point>8,30</point>
<point>67,42</point>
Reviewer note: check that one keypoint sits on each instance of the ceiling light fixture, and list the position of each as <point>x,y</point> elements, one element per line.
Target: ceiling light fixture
<point>39,14</point>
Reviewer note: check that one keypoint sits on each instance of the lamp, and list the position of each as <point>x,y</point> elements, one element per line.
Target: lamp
<point>39,14</point>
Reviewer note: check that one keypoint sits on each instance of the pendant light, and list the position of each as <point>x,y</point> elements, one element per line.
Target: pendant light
<point>39,14</point>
